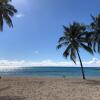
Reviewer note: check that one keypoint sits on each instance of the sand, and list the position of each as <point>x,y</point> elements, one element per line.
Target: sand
<point>49,89</point>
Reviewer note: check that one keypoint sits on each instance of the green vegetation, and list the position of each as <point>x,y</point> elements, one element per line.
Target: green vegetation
<point>95,33</point>
<point>7,11</point>
<point>78,36</point>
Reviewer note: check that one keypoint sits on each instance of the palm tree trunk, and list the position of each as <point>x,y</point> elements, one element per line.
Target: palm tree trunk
<point>81,65</point>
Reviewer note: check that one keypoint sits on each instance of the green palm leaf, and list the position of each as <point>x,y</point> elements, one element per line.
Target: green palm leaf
<point>75,36</point>
<point>67,51</point>
<point>7,11</point>
<point>87,48</point>
<point>61,44</point>
<point>73,55</point>
<point>62,39</point>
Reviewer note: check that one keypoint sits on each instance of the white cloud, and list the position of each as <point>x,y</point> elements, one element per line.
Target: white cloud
<point>19,15</point>
<point>93,61</point>
<point>8,64</point>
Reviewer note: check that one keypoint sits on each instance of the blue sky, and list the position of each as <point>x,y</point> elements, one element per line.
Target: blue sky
<point>38,26</point>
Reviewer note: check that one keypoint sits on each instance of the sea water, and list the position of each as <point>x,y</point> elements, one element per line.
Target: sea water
<point>51,72</point>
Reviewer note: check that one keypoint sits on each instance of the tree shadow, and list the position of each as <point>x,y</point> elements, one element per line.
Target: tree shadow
<point>88,82</point>
<point>5,88</point>
<point>11,98</point>
<point>92,82</point>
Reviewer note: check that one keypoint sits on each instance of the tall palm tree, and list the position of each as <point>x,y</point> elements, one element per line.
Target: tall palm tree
<point>74,39</point>
<point>95,32</point>
<point>7,10</point>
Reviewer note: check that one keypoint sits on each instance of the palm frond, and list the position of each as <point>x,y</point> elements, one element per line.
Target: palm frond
<point>99,46</point>
<point>73,55</point>
<point>62,39</point>
<point>1,22</point>
<point>94,46</point>
<point>7,10</point>
<point>66,29</point>
<point>8,20</point>
<point>11,7</point>
<point>93,18</point>
<point>62,44</point>
<point>67,51</point>
<point>87,48</point>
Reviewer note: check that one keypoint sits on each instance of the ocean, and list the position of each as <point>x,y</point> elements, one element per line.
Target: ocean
<point>51,72</point>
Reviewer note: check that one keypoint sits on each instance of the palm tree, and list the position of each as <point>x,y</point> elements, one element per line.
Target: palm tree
<point>74,39</point>
<point>7,10</point>
<point>95,33</point>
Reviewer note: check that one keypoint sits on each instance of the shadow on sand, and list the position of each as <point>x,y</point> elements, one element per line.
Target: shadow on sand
<point>87,82</point>
<point>92,82</point>
<point>5,88</point>
<point>11,98</point>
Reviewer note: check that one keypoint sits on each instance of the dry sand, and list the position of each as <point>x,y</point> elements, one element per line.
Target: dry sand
<point>49,89</point>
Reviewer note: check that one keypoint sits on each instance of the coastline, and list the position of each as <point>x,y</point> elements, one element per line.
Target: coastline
<point>28,88</point>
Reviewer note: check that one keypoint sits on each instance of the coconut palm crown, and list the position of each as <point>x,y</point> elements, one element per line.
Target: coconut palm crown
<point>95,33</point>
<point>74,39</point>
<point>7,10</point>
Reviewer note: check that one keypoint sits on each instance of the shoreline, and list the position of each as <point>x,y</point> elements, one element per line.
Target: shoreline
<point>48,77</point>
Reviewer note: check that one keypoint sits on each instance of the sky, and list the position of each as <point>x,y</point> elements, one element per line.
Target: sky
<point>37,27</point>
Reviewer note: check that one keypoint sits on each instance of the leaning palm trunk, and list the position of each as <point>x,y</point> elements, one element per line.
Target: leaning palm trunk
<point>74,39</point>
<point>81,65</point>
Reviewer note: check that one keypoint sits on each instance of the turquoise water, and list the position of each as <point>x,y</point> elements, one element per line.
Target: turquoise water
<point>52,72</point>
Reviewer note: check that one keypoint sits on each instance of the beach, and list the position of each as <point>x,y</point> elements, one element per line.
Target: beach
<point>27,88</point>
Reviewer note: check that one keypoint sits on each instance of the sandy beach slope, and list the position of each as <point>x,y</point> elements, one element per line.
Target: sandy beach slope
<point>49,89</point>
